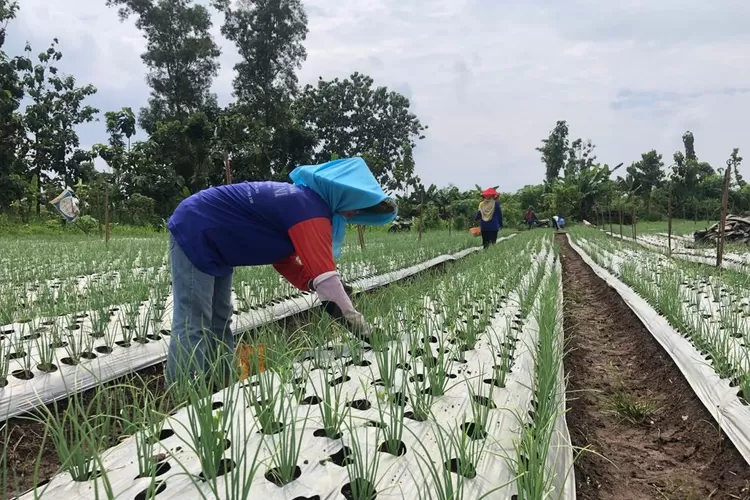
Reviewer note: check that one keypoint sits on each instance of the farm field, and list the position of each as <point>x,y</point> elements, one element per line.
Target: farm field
<point>518,372</point>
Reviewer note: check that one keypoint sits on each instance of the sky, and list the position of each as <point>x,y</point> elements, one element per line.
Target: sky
<point>489,77</point>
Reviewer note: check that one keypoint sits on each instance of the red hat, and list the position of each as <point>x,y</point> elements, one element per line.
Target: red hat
<point>490,192</point>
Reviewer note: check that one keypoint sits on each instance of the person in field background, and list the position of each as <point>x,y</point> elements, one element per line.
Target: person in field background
<point>490,216</point>
<point>530,217</point>
<point>299,228</point>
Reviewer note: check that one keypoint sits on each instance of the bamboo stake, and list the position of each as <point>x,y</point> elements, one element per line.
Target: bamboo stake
<point>106,217</point>
<point>723,222</point>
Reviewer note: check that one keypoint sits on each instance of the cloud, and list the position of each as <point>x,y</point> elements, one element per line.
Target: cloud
<point>489,77</point>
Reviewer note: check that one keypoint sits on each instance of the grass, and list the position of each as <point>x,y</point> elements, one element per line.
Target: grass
<point>631,408</point>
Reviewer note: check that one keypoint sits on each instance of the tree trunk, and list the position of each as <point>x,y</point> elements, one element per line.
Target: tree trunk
<point>361,235</point>
<point>421,215</point>
<point>227,169</point>
<point>609,216</point>
<point>99,214</point>
<point>669,222</point>
<point>723,221</point>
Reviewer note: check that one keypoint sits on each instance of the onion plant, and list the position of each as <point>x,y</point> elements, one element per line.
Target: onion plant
<point>363,466</point>
<point>77,431</point>
<point>330,405</point>
<point>391,411</point>
<point>286,445</point>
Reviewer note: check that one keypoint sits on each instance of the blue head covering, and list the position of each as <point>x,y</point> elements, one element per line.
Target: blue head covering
<point>345,184</point>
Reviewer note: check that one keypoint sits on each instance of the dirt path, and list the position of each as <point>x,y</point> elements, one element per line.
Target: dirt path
<point>631,406</point>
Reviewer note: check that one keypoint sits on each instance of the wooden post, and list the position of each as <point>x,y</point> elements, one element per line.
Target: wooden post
<point>669,221</point>
<point>620,218</point>
<point>106,216</point>
<point>421,214</point>
<point>227,169</point>
<point>609,216</point>
<point>632,215</point>
<point>99,214</point>
<point>361,235</point>
<point>450,219</point>
<point>723,221</point>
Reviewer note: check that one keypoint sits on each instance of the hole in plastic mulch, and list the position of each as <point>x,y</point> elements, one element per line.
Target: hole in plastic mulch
<point>46,368</point>
<point>456,466</point>
<point>393,447</point>
<point>273,428</point>
<point>160,469</point>
<point>324,433</point>
<point>473,430</point>
<point>359,404</point>
<point>495,381</point>
<point>314,497</point>
<point>275,476</point>
<point>419,377</point>
<point>88,355</point>
<point>216,405</point>
<point>359,489</point>
<point>226,465</point>
<point>339,380</point>
<point>16,355</point>
<point>163,434</point>
<point>413,416</point>
<point>342,458</point>
<point>23,374</point>
<point>484,401</point>
<point>69,361</point>
<point>311,400</point>
<point>123,343</point>
<point>103,349</point>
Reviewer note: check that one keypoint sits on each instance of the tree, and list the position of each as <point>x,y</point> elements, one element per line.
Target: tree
<point>181,56</point>
<point>55,109</point>
<point>13,181</point>
<point>647,174</point>
<point>269,36</point>
<point>555,151</point>
<point>351,117</point>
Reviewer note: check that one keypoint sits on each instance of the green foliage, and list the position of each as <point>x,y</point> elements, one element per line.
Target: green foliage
<point>352,117</point>
<point>139,210</point>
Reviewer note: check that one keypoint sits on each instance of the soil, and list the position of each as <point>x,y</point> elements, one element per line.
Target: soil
<point>670,447</point>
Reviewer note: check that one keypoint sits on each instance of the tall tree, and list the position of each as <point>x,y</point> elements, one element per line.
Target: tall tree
<point>647,174</point>
<point>352,117</point>
<point>181,56</point>
<point>55,109</point>
<point>12,179</point>
<point>555,149</point>
<point>580,157</point>
<point>269,36</point>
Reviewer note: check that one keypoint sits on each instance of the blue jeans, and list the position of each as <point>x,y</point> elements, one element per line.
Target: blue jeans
<point>201,322</point>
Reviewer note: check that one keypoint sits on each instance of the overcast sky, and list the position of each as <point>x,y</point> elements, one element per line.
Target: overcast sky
<point>489,77</point>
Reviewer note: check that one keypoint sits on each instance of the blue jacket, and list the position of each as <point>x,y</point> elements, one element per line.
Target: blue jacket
<point>244,224</point>
<point>495,223</point>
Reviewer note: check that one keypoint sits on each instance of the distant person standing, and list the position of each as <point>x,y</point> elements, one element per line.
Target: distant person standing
<point>490,216</point>
<point>530,217</point>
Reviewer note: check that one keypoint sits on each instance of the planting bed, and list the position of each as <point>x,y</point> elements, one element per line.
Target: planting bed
<point>682,248</point>
<point>461,396</point>
<point>645,397</point>
<point>43,359</point>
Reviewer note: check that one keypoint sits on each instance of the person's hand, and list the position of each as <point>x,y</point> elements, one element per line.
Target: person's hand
<point>358,326</point>
<point>347,288</point>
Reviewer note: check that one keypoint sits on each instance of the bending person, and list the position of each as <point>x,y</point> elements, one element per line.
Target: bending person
<point>490,216</point>
<point>298,228</point>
